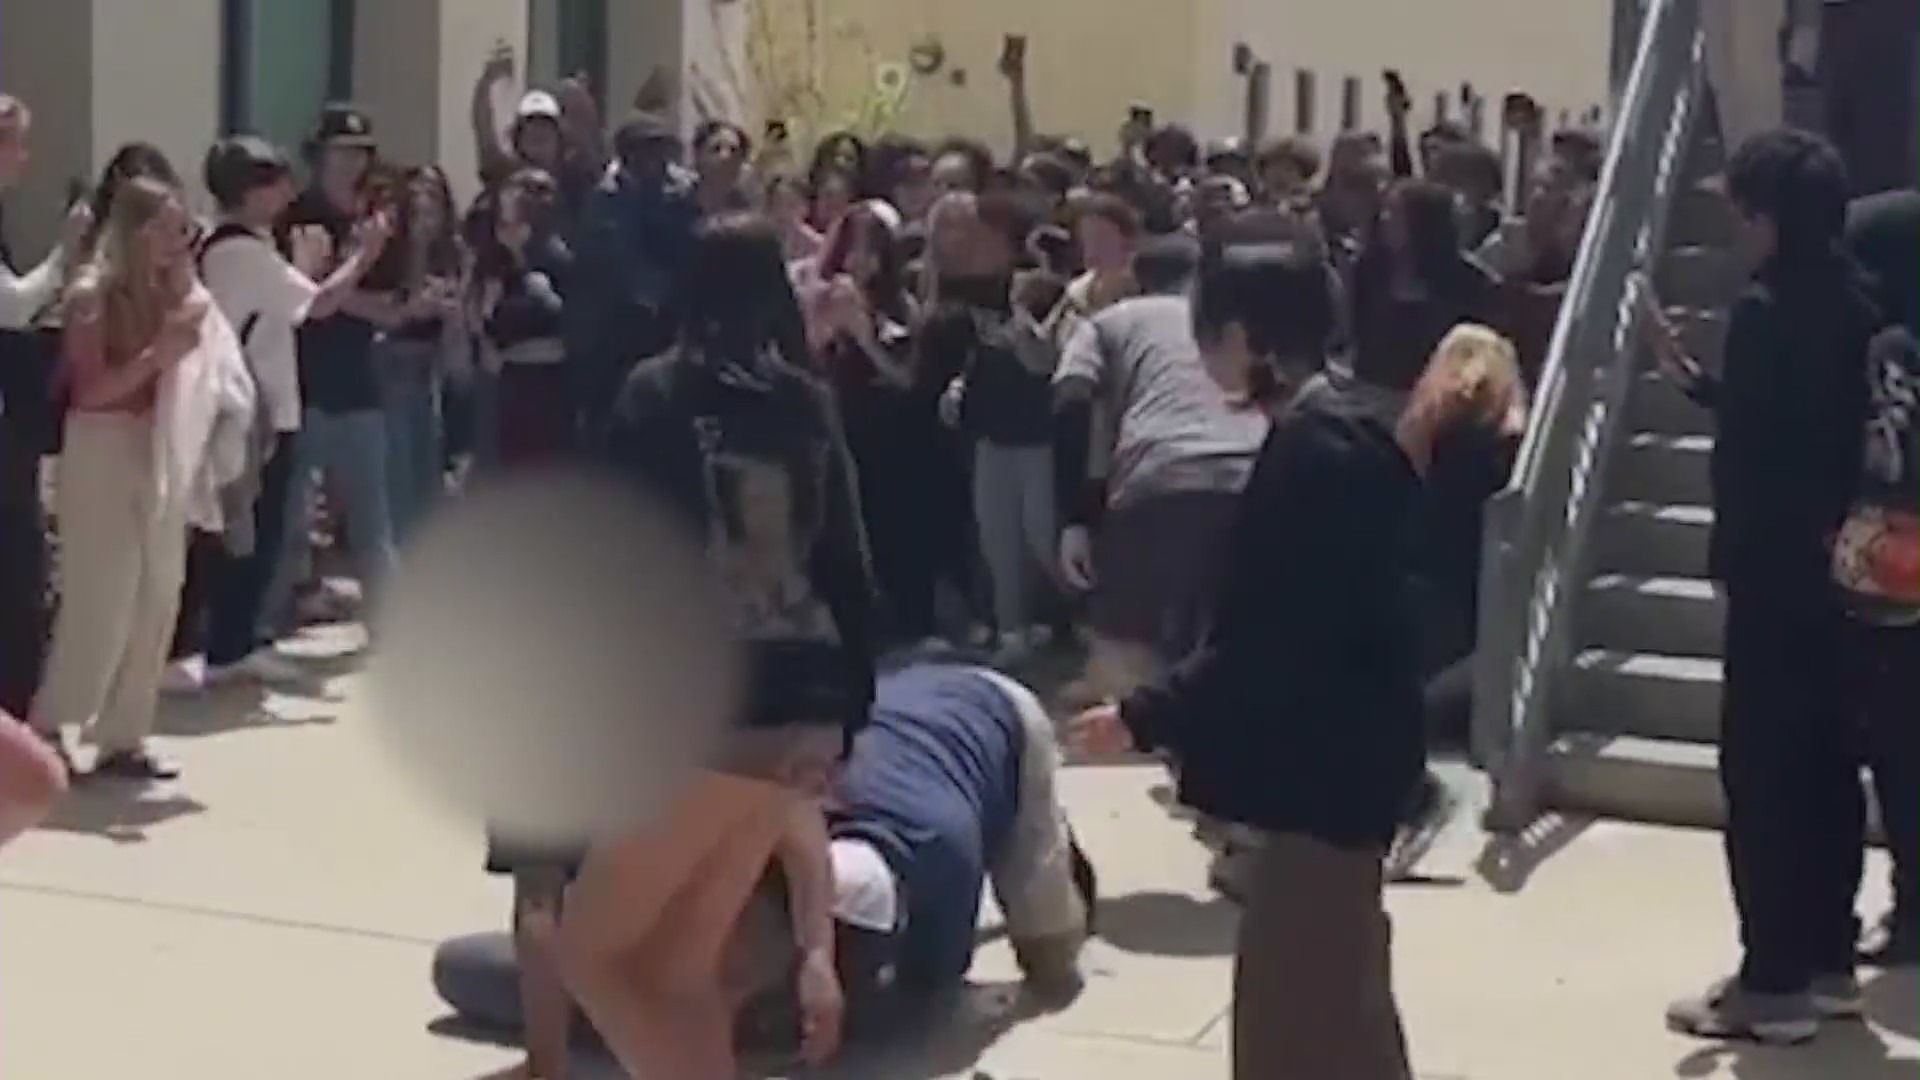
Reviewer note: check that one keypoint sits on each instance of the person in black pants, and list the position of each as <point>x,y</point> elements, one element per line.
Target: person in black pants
<point>1791,406</point>
<point>1883,232</point>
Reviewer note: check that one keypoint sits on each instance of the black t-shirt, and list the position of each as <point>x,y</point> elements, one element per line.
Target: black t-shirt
<point>336,352</point>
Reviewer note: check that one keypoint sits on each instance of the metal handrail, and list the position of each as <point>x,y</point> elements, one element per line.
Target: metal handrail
<point>1537,527</point>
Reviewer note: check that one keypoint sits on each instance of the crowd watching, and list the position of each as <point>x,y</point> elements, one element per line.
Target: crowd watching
<point>1226,413</point>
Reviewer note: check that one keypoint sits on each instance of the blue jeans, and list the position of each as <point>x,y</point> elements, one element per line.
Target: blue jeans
<point>410,400</point>
<point>351,450</point>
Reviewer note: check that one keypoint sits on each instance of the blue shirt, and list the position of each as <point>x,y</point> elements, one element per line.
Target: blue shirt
<point>933,784</point>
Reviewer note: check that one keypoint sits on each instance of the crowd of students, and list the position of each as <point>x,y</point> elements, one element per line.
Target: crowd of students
<point>1234,409</point>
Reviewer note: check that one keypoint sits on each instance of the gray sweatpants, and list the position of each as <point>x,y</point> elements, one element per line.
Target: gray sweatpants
<point>1013,508</point>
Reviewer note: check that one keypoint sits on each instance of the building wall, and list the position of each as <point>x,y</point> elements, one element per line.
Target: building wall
<point>1557,50</point>
<point>1086,61</point>
<point>45,50</point>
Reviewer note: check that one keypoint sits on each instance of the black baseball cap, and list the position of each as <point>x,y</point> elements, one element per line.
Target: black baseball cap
<point>239,164</point>
<point>343,125</point>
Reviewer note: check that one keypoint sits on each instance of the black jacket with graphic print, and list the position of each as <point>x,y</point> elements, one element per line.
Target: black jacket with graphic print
<point>755,460</point>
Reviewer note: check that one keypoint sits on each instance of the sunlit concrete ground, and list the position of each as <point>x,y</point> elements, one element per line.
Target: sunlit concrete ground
<point>273,915</point>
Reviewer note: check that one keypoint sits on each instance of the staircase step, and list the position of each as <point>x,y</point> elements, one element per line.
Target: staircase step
<point>1665,468</point>
<point>1700,276</point>
<point>1654,780</point>
<point>1623,776</point>
<point>1652,538</point>
<point>1652,695</point>
<point>1677,616</point>
<point>1655,404</point>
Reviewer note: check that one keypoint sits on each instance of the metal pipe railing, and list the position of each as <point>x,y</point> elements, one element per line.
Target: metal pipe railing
<point>1533,560</point>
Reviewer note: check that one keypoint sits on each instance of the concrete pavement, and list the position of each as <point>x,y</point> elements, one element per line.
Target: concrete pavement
<point>273,915</point>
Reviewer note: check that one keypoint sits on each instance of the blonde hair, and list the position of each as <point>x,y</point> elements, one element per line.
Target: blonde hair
<point>114,279</point>
<point>14,115</point>
<point>1472,379</point>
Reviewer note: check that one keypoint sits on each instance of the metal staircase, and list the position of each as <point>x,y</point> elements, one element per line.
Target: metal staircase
<point>1597,678</point>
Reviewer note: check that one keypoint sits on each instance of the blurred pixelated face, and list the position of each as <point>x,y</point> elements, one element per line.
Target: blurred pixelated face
<point>720,155</point>
<point>914,193</point>
<point>167,239</point>
<point>1103,245</point>
<point>832,200</point>
<point>952,173</point>
<point>537,141</point>
<point>341,169</point>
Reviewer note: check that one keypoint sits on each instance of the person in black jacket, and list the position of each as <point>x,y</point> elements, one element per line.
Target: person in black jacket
<point>1300,714</point>
<point>748,452</point>
<point>1791,406</point>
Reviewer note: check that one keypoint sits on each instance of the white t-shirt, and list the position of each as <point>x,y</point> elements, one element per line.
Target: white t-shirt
<point>865,894</point>
<point>250,279</point>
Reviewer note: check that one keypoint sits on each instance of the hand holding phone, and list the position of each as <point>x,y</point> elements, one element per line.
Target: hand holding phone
<point>1399,102</point>
<point>1013,56</point>
<point>1662,338</point>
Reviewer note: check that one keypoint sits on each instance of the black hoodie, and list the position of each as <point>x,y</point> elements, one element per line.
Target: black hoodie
<point>1301,712</point>
<point>753,456</point>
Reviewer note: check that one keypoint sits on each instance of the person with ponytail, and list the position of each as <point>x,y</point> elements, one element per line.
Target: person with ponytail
<point>1299,714</point>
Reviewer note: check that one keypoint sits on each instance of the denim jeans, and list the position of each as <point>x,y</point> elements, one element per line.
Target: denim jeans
<point>350,449</point>
<point>410,400</point>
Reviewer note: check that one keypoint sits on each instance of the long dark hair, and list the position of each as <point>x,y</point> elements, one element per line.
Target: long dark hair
<point>735,295</point>
<point>886,291</point>
<point>133,161</point>
<point>1427,214</point>
<point>443,248</point>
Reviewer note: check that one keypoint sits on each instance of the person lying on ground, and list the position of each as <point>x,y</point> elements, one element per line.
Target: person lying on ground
<point>951,785</point>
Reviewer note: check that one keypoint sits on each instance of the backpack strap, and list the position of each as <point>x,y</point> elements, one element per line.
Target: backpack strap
<point>228,230</point>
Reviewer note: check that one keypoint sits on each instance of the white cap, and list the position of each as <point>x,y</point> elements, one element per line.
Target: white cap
<point>885,211</point>
<point>538,103</point>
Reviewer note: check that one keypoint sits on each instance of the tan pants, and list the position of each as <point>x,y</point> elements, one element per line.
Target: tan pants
<point>1313,976</point>
<point>122,559</point>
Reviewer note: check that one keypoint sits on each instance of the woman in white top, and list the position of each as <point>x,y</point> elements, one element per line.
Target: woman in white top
<point>149,362</point>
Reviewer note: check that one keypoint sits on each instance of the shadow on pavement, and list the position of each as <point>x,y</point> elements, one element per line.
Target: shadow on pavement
<point>117,811</point>
<point>233,708</point>
<point>1844,1051</point>
<point>1169,924</point>
<point>1893,1002</point>
<point>1508,862</point>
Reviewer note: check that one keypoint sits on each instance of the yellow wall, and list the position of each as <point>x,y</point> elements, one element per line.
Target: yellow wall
<point>1089,58</point>
<point>1086,60</point>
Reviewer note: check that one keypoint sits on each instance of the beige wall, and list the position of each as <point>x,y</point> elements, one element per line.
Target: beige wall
<point>44,51</point>
<point>100,73</point>
<point>1089,58</point>
<point>1555,49</point>
<point>1086,60</point>
<point>466,32</point>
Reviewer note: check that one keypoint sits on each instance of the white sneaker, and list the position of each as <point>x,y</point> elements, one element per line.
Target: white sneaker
<point>263,665</point>
<point>187,675</point>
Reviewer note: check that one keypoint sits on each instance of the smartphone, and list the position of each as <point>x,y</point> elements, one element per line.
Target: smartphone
<point>1139,114</point>
<point>1013,50</point>
<point>76,190</point>
<point>1396,86</point>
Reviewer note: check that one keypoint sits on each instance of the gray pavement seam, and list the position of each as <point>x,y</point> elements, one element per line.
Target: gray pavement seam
<point>219,913</point>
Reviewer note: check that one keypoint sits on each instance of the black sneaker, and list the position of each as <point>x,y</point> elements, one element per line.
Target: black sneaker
<point>1428,814</point>
<point>137,765</point>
